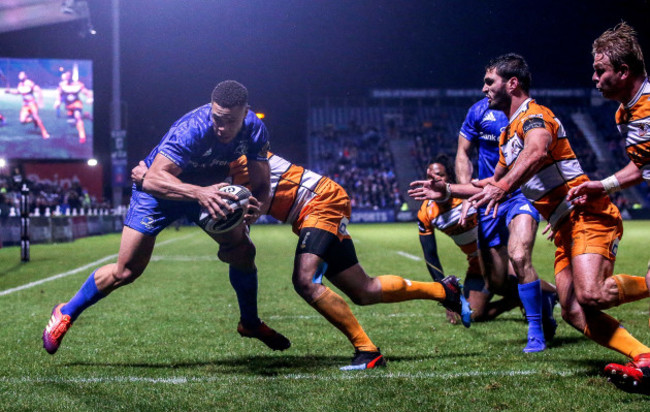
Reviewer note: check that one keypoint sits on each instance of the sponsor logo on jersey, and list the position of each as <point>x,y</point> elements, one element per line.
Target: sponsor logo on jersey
<point>533,121</point>
<point>489,137</point>
<point>489,117</point>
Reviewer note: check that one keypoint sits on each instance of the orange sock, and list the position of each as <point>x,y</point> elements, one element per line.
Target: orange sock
<point>398,289</point>
<point>608,332</point>
<point>630,288</point>
<point>338,313</point>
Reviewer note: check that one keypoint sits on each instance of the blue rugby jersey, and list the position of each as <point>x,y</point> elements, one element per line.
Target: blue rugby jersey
<point>192,145</point>
<point>483,126</point>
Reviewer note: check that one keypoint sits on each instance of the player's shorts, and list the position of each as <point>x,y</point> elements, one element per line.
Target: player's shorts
<point>73,108</point>
<point>339,254</point>
<point>329,210</point>
<point>584,232</point>
<point>149,215</point>
<point>493,232</point>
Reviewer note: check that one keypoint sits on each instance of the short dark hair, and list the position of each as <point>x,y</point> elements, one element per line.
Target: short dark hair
<point>621,45</point>
<point>512,65</point>
<point>449,167</point>
<point>230,93</point>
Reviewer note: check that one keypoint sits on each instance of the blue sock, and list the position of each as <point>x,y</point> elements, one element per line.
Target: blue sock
<point>531,297</point>
<point>245,285</point>
<point>86,297</point>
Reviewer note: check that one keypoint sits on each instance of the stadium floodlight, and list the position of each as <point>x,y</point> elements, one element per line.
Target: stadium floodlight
<point>3,162</point>
<point>260,115</point>
<point>92,162</point>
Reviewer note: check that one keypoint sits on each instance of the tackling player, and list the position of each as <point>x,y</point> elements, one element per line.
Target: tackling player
<point>68,93</point>
<point>185,169</point>
<point>535,155</point>
<point>620,75</point>
<point>319,210</point>
<point>506,240</point>
<point>32,99</point>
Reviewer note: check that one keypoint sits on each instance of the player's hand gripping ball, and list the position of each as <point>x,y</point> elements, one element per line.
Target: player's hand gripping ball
<point>232,219</point>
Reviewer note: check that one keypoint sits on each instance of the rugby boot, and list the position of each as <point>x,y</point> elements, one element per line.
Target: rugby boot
<point>267,335</point>
<point>535,344</point>
<point>455,301</point>
<point>630,375</point>
<point>56,329</point>
<point>365,360</point>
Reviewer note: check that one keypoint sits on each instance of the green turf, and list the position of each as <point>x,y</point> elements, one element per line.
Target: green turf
<point>168,342</point>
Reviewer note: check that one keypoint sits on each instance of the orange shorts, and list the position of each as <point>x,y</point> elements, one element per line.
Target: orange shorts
<point>329,210</point>
<point>586,232</point>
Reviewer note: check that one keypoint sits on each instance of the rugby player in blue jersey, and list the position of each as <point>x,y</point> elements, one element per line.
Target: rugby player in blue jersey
<point>505,240</point>
<point>186,170</point>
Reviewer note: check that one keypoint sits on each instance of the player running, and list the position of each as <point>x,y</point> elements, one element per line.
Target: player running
<point>535,155</point>
<point>185,169</point>
<point>69,93</point>
<point>620,75</point>
<point>506,240</point>
<point>32,100</point>
<point>319,210</point>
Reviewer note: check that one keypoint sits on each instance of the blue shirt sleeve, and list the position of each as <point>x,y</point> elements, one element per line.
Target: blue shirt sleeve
<point>259,138</point>
<point>470,129</point>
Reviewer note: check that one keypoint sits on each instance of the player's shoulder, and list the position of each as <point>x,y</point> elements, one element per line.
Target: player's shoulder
<point>533,115</point>
<point>478,109</point>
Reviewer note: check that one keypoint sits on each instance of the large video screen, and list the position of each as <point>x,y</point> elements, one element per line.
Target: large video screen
<point>46,109</point>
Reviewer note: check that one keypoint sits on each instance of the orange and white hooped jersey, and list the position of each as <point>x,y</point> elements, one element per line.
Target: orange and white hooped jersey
<point>445,217</point>
<point>292,187</point>
<point>561,171</point>
<point>633,122</point>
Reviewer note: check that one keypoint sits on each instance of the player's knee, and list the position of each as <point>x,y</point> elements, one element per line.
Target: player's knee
<point>591,300</point>
<point>238,253</point>
<point>520,257</point>
<point>125,276</point>
<point>304,286</point>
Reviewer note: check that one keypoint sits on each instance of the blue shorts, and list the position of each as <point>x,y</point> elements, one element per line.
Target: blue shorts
<point>493,232</point>
<point>149,215</point>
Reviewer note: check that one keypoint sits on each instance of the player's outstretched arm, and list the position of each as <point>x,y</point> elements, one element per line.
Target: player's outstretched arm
<point>628,176</point>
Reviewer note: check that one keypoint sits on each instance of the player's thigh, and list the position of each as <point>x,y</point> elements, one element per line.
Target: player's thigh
<point>523,229</point>
<point>590,270</point>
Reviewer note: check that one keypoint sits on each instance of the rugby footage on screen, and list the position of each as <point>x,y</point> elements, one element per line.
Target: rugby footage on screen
<point>46,108</point>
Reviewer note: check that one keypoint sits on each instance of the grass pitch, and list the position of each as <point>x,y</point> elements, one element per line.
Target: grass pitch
<point>168,342</point>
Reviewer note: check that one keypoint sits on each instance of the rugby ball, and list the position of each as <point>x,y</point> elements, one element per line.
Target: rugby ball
<point>232,219</point>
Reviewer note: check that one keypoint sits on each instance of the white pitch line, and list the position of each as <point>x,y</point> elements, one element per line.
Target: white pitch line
<point>181,380</point>
<point>408,255</point>
<point>76,270</point>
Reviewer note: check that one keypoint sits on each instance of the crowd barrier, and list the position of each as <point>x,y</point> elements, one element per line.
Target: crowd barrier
<point>44,229</point>
<point>48,229</point>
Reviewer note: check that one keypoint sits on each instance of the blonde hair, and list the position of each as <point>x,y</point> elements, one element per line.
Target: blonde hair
<point>621,45</point>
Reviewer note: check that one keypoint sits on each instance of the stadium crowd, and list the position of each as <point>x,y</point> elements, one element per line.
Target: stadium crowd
<point>46,196</point>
